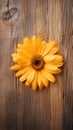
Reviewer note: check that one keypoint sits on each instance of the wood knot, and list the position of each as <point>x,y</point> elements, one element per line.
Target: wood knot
<point>9,16</point>
<point>6,15</point>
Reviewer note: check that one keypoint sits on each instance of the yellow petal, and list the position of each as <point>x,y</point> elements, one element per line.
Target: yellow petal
<point>19,45</point>
<point>19,73</point>
<point>40,84</point>
<point>31,75</point>
<point>22,61</point>
<point>42,48</point>
<point>34,82</point>
<point>49,76</point>
<point>56,63</point>
<point>52,69</point>
<point>23,71</point>
<point>15,67</point>
<point>49,58</point>
<point>26,41</point>
<point>60,64</point>
<point>54,50</point>
<point>49,47</point>
<point>30,78</point>
<point>43,78</point>
<point>23,53</point>
<point>26,46</point>
<point>57,58</point>
<point>16,57</point>
<point>25,75</point>
<point>38,45</point>
<point>39,40</point>
<point>33,44</point>
<point>34,39</point>
<point>26,50</point>
<point>28,84</point>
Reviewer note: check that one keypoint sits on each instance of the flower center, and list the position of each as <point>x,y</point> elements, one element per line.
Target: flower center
<point>37,62</point>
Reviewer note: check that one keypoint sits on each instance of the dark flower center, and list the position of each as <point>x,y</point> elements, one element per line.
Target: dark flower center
<point>37,62</point>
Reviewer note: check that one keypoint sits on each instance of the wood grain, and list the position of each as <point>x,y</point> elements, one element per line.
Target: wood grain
<point>22,108</point>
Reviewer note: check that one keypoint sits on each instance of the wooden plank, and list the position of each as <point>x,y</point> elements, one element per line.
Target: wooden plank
<point>32,108</point>
<point>67,41</point>
<point>56,90</point>
<point>22,108</point>
<point>7,80</point>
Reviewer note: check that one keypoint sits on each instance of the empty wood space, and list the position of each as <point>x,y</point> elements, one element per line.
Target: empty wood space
<point>22,108</point>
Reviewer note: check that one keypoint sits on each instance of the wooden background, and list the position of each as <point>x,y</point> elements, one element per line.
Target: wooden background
<point>22,108</point>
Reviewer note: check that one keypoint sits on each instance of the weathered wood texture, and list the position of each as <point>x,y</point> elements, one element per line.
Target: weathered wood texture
<point>22,108</point>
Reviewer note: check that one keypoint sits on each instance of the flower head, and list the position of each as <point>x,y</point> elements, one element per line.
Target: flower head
<point>36,62</point>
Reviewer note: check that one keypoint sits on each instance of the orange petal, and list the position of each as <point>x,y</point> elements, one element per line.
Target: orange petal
<point>49,76</point>
<point>54,50</point>
<point>49,47</point>
<point>43,78</point>
<point>15,67</point>
<point>40,84</point>
<point>23,71</point>
<point>52,69</point>
<point>34,82</point>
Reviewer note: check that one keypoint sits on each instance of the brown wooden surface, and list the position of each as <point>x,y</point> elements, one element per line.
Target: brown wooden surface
<point>22,108</point>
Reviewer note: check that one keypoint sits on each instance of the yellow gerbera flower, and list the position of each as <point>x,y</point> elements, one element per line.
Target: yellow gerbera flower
<point>36,61</point>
